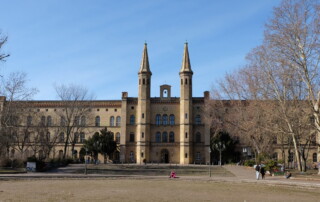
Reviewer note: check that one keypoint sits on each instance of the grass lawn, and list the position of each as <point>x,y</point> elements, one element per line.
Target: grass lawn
<point>12,170</point>
<point>156,170</point>
<point>162,189</point>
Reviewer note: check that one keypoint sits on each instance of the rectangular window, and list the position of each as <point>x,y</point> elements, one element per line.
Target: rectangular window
<point>142,154</point>
<point>186,155</point>
<point>142,135</point>
<point>198,156</point>
<point>143,115</point>
<point>131,137</point>
<point>186,135</point>
<point>186,116</point>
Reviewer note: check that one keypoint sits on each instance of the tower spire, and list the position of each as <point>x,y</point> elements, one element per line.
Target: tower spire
<point>186,65</point>
<point>144,66</point>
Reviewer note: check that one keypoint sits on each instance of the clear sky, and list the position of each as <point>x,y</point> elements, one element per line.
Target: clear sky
<point>99,44</point>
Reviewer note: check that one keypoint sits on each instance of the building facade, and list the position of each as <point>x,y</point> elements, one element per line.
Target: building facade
<point>160,129</point>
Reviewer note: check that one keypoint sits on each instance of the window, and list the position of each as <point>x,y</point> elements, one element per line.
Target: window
<point>83,120</point>
<point>171,137</point>
<point>186,155</point>
<point>82,137</point>
<point>61,137</point>
<point>97,122</point>
<point>172,119</point>
<point>164,137</point>
<point>314,157</point>
<point>181,81</point>
<point>165,119</point>
<point>112,121</point>
<point>49,121</point>
<point>43,121</point>
<point>290,157</point>
<point>41,137</point>
<point>198,137</point>
<point>118,138</point>
<point>142,154</point>
<point>186,81</point>
<point>132,120</point>
<point>198,120</point>
<point>131,137</point>
<point>118,121</point>
<point>29,121</point>
<point>62,121</point>
<point>77,120</point>
<point>48,136</point>
<point>158,119</point>
<point>76,137</point>
<point>275,156</point>
<point>143,81</point>
<point>131,156</point>
<point>186,135</point>
<point>142,135</point>
<point>158,137</point>
<point>198,156</point>
<point>142,115</point>
<point>185,115</point>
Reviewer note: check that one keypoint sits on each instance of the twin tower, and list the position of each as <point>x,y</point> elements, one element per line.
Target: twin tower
<point>183,152</point>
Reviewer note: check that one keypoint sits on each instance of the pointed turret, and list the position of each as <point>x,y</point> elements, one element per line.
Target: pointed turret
<point>186,66</point>
<point>144,67</point>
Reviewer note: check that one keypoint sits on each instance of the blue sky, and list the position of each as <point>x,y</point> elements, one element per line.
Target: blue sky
<point>98,44</point>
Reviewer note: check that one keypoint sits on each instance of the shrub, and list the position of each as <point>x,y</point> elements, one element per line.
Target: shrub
<point>250,162</point>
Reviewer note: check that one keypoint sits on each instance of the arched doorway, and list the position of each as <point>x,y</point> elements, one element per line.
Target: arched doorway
<point>164,156</point>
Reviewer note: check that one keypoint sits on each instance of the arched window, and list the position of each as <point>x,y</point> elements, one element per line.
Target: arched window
<point>314,157</point>
<point>118,138</point>
<point>158,137</point>
<point>165,119</point>
<point>158,119</point>
<point>76,137</point>
<point>48,137</point>
<point>62,121</point>
<point>164,137</point>
<point>61,137</point>
<point>82,137</point>
<point>132,120</point>
<point>43,121</point>
<point>83,120</point>
<point>171,119</point>
<point>198,120</point>
<point>41,137</point>
<point>49,121</point>
<point>131,137</point>
<point>29,121</point>
<point>112,121</point>
<point>77,120</point>
<point>198,137</point>
<point>171,137</point>
<point>97,121</point>
<point>290,157</point>
<point>118,121</point>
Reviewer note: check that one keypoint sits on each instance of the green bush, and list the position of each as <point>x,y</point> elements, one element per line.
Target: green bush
<point>271,165</point>
<point>250,162</point>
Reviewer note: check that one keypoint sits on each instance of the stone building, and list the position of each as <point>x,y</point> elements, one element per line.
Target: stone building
<point>161,129</point>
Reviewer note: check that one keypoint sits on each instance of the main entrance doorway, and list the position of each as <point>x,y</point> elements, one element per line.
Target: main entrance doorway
<point>164,156</point>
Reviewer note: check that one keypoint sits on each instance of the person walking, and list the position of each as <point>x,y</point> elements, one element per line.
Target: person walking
<point>257,168</point>
<point>263,172</point>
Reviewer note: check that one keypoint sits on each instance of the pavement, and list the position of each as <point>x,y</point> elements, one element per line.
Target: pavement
<point>242,174</point>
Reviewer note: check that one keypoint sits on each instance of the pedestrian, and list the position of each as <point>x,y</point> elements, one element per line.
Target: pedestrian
<point>288,175</point>
<point>257,168</point>
<point>172,174</point>
<point>263,172</point>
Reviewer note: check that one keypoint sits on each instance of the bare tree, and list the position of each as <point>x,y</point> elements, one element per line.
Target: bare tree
<point>293,35</point>
<point>75,112</point>
<point>14,101</point>
<point>3,40</point>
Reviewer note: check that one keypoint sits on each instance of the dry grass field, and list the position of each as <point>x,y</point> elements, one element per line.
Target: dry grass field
<point>158,189</point>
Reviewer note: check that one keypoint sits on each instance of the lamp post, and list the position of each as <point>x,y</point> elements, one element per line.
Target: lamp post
<point>220,147</point>
<point>210,162</point>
